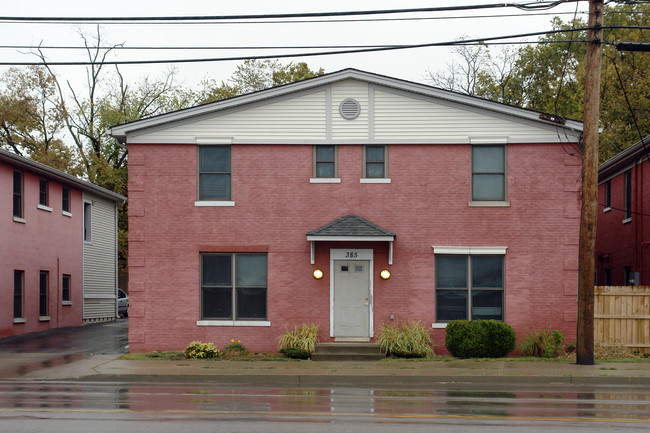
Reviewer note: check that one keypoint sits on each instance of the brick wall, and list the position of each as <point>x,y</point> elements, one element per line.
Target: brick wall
<point>425,204</point>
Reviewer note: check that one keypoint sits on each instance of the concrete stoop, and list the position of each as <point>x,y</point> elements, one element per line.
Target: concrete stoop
<point>347,352</point>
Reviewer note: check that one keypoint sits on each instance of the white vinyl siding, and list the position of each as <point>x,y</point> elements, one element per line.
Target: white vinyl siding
<point>343,129</point>
<point>100,262</point>
<point>300,117</point>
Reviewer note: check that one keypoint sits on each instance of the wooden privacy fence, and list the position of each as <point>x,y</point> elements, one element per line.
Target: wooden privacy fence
<point>622,317</point>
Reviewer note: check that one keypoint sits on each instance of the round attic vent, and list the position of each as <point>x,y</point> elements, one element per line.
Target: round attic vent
<point>349,109</point>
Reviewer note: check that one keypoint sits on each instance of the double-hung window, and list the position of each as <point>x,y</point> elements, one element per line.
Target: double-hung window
<point>375,162</point>
<point>627,196</point>
<point>65,199</point>
<point>43,295</point>
<point>325,166</point>
<point>215,173</point>
<point>18,194</point>
<point>608,195</point>
<point>19,283</point>
<point>43,192</point>
<point>469,287</point>
<point>233,286</point>
<point>65,288</point>
<point>488,172</point>
<point>88,220</point>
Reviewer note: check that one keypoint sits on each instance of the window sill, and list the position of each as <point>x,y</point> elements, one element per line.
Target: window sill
<point>45,208</point>
<point>325,180</point>
<point>66,303</point>
<point>68,214</point>
<point>438,325</point>
<point>607,209</point>
<point>20,320</point>
<point>627,220</point>
<point>20,220</point>
<point>232,323</point>
<point>43,318</point>
<point>378,180</point>
<point>488,204</point>
<point>214,203</point>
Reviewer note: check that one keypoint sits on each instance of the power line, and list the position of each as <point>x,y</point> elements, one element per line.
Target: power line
<point>285,55</point>
<point>531,5</point>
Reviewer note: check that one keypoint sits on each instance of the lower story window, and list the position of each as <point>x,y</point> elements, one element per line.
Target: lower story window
<point>65,288</point>
<point>44,288</point>
<point>233,286</point>
<point>19,281</point>
<point>469,287</point>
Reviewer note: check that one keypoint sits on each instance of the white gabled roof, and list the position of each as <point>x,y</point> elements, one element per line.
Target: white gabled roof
<point>121,132</point>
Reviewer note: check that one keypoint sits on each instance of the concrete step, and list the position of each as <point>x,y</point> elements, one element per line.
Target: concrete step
<point>347,352</point>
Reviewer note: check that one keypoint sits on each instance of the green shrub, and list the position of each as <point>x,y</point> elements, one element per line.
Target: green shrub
<point>542,343</point>
<point>293,353</point>
<point>479,339</point>
<point>410,340</point>
<point>199,350</point>
<point>303,337</point>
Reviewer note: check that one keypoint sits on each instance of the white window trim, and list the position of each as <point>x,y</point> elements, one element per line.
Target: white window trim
<point>66,213</point>
<point>66,302</point>
<point>439,325</point>
<point>607,209</point>
<point>43,207</point>
<point>325,180</point>
<point>627,220</point>
<point>43,318</point>
<point>375,180</point>
<point>213,203</point>
<point>20,320</point>
<point>232,323</point>
<point>504,203</point>
<point>469,250</point>
<point>20,220</point>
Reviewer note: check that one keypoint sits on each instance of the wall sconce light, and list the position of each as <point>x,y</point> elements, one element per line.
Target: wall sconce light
<point>318,274</point>
<point>385,274</point>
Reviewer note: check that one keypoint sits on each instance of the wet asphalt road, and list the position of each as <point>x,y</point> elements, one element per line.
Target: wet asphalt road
<point>105,407</point>
<point>99,338</point>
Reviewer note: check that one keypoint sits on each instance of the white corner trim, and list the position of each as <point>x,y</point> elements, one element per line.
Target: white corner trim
<point>488,204</point>
<point>214,203</point>
<point>469,250</point>
<point>325,180</point>
<point>207,141</point>
<point>43,207</point>
<point>232,323</point>
<point>20,220</point>
<point>438,325</point>
<point>374,180</point>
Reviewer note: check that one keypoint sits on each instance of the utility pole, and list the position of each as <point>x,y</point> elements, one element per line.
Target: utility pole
<point>589,209</point>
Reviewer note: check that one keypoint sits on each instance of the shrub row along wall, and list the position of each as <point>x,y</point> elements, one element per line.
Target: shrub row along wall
<point>622,316</point>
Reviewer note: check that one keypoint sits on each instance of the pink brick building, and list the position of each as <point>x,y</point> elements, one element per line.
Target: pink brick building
<point>623,233</point>
<point>58,248</point>
<point>349,200</point>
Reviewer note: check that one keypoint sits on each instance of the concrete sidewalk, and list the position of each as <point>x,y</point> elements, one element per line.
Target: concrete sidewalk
<point>37,367</point>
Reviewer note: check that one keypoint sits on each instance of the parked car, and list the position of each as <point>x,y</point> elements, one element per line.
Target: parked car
<point>122,303</point>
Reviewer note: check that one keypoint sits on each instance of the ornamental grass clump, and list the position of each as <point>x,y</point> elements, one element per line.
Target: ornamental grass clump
<point>200,350</point>
<point>300,342</point>
<point>408,340</point>
<point>234,349</point>
<point>542,343</point>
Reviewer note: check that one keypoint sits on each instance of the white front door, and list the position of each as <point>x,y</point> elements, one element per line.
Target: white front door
<point>352,298</point>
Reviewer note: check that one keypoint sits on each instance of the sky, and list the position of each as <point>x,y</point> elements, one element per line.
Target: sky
<point>410,64</point>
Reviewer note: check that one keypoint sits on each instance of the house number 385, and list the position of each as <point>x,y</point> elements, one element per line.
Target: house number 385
<point>351,255</point>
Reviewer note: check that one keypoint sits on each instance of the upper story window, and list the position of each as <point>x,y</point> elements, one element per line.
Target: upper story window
<point>18,194</point>
<point>375,162</point>
<point>65,199</point>
<point>627,195</point>
<point>215,173</point>
<point>488,173</point>
<point>43,192</point>
<point>607,186</point>
<point>87,221</point>
<point>325,162</point>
